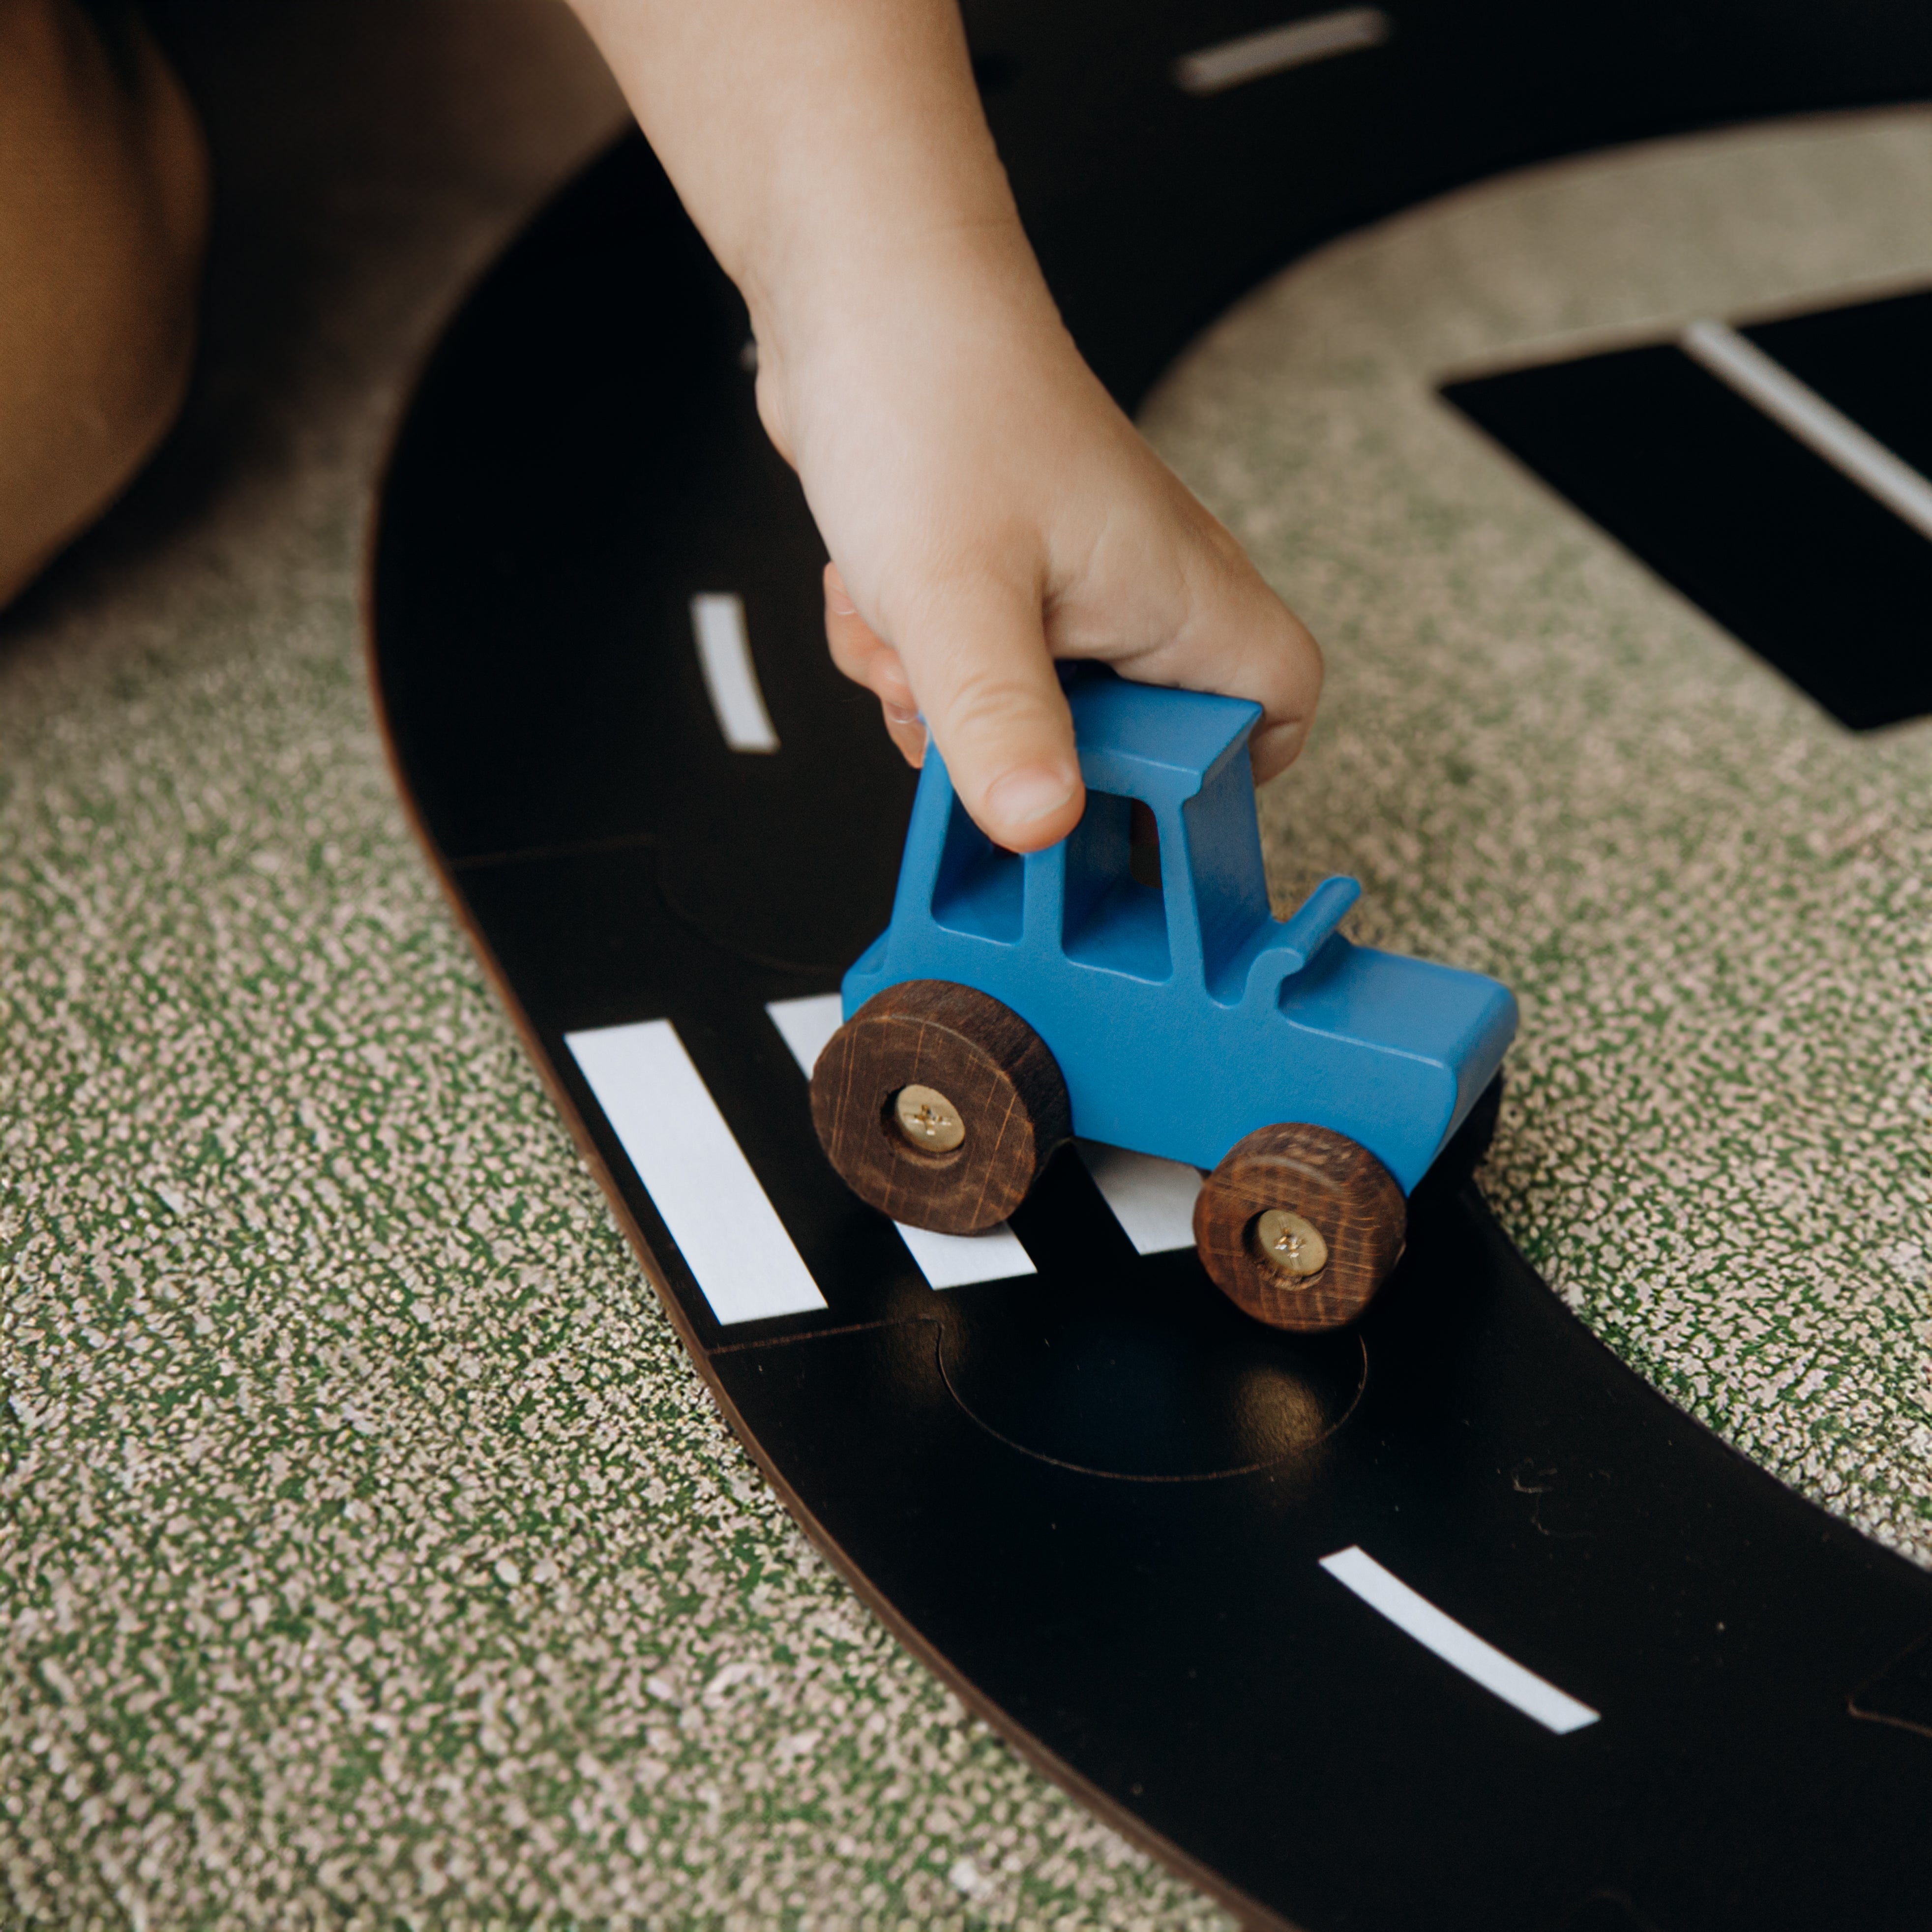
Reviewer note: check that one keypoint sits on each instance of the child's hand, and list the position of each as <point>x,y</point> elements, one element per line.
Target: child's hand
<point>987,507</point>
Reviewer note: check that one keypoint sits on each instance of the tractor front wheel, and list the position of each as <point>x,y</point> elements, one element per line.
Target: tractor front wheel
<point>1298,1226</point>
<point>939,1106</point>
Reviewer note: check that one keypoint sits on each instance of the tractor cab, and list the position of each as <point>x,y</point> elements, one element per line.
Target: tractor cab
<point>1189,905</point>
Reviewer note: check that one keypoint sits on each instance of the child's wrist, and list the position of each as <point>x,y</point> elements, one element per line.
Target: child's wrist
<point>846,281</point>
<point>847,314</point>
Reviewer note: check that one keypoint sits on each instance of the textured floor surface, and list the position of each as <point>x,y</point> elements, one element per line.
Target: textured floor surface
<point>371,1555</point>
<point>1713,902</point>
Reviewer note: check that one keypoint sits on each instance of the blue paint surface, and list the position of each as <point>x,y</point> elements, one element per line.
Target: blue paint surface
<point>1185,1017</point>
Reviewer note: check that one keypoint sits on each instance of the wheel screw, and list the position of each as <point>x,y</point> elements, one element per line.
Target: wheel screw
<point>929,1120</point>
<point>1290,1245</point>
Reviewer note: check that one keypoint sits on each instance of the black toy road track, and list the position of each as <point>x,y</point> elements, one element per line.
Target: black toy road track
<point>1092,1496</point>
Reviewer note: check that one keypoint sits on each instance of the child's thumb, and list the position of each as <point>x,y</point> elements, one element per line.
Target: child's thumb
<point>986,683</point>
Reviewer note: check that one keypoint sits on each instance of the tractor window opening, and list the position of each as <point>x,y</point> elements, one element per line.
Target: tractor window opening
<point>979,888</point>
<point>1230,883</point>
<point>1143,844</point>
<point>1115,916</point>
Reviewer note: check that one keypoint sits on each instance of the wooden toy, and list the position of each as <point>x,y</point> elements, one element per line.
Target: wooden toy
<point>1014,1002</point>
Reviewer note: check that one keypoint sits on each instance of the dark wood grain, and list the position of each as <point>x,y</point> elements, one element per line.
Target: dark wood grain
<point>1332,1182</point>
<point>983,1057</point>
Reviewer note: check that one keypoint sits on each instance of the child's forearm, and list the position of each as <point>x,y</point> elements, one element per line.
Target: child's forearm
<point>823,147</point>
<point>987,507</point>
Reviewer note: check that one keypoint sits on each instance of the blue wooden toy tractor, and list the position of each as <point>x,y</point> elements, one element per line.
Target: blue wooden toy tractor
<point>1135,989</point>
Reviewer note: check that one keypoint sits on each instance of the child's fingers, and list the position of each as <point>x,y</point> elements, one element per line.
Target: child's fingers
<point>867,659</point>
<point>1268,654</point>
<point>860,653</point>
<point>1242,640</point>
<point>908,733</point>
<point>987,686</point>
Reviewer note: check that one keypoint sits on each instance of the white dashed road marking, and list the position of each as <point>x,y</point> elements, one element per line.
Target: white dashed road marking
<point>1555,1710</point>
<point>731,677</point>
<point>1229,63</point>
<point>1153,1199</point>
<point>694,1171</point>
<point>957,1261</point>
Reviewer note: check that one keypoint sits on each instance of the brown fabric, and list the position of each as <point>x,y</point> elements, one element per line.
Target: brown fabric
<point>104,216</point>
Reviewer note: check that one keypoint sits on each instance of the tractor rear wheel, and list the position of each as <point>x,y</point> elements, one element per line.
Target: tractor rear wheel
<point>1298,1226</point>
<point>939,1106</point>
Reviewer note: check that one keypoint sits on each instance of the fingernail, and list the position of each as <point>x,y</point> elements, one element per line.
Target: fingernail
<point>899,714</point>
<point>839,604</point>
<point>1026,796</point>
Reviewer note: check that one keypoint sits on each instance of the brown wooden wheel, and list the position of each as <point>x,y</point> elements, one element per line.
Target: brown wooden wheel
<point>939,1106</point>
<point>1298,1226</point>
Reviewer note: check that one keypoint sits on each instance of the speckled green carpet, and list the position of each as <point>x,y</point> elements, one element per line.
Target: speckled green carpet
<point>371,1555</point>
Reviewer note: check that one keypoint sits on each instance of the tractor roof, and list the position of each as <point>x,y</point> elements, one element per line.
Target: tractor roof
<point>1146,739</point>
